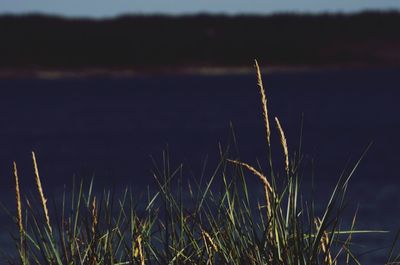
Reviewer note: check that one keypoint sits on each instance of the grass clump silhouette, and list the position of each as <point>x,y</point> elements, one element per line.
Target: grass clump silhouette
<point>197,224</point>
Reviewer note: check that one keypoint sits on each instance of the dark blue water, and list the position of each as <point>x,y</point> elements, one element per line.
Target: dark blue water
<point>110,127</point>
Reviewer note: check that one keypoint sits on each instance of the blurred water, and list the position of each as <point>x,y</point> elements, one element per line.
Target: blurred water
<point>109,127</point>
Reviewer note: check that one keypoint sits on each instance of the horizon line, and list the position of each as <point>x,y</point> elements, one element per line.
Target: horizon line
<point>200,13</point>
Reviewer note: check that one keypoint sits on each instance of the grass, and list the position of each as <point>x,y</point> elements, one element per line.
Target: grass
<point>201,223</point>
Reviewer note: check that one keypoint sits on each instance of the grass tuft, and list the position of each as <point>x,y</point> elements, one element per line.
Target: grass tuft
<point>209,224</point>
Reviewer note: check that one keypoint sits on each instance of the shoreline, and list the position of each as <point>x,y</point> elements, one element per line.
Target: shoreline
<point>54,73</point>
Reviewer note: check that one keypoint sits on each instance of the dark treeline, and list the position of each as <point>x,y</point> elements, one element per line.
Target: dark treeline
<point>36,41</point>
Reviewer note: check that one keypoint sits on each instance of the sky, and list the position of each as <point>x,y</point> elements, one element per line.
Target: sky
<point>111,8</point>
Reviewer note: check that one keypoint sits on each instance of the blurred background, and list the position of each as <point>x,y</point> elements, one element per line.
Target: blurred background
<point>98,88</point>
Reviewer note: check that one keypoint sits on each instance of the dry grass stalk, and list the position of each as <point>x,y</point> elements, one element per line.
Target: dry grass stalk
<point>19,205</point>
<point>267,185</point>
<point>284,144</point>
<point>325,249</point>
<point>325,245</point>
<point>264,102</point>
<point>255,172</point>
<point>140,250</point>
<point>43,199</point>
<point>93,256</point>
<point>94,216</point>
<point>209,238</point>
<point>210,246</point>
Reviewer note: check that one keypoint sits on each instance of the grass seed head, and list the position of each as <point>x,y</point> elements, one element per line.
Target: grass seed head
<point>284,144</point>
<point>43,199</point>
<point>264,103</point>
<point>19,204</point>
